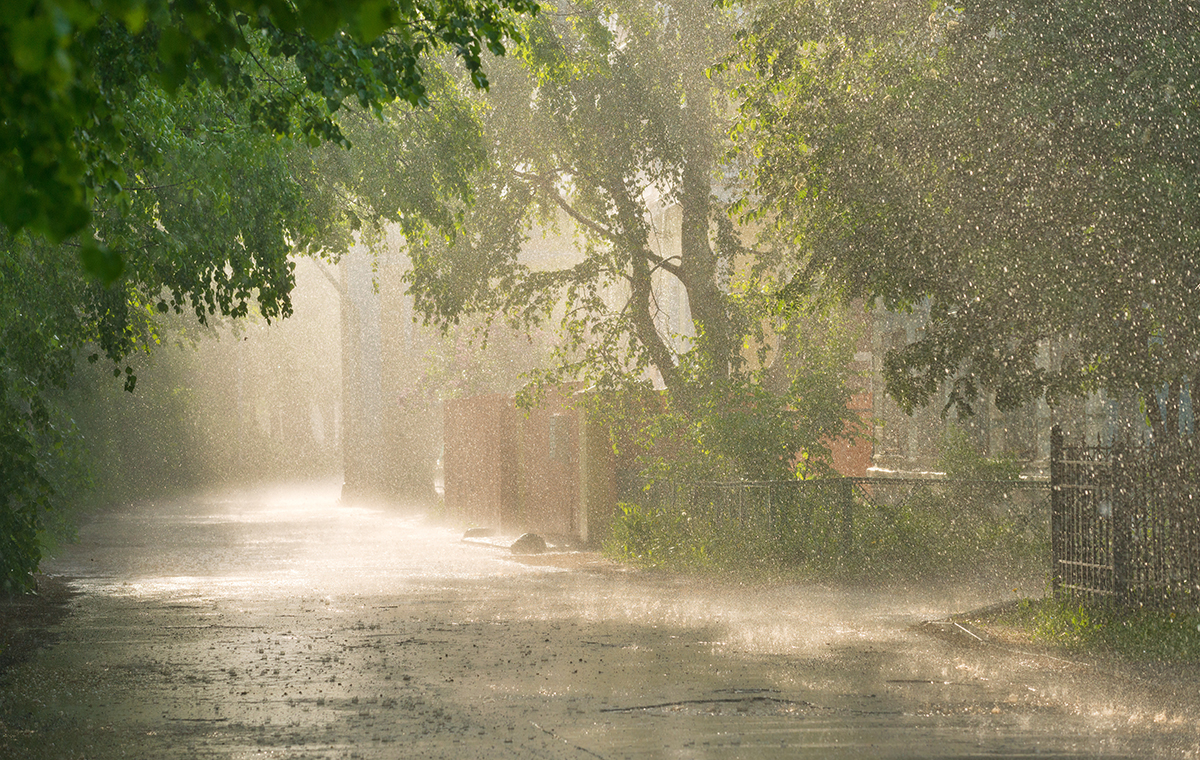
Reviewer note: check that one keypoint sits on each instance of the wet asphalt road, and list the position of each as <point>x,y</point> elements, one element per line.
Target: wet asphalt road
<point>280,624</point>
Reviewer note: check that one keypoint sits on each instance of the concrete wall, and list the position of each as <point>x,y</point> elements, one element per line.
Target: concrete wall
<point>549,469</point>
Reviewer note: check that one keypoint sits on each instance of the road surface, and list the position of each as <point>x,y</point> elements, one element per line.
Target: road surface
<point>281,624</point>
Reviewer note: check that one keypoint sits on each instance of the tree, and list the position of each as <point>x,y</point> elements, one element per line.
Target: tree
<point>611,110</point>
<point>38,318</point>
<point>202,184</point>
<point>159,157</point>
<point>612,133</point>
<point>66,65</point>
<point>1027,170</point>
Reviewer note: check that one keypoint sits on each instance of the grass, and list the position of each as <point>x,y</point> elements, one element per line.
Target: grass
<point>1137,634</point>
<point>907,545</point>
<point>930,538</point>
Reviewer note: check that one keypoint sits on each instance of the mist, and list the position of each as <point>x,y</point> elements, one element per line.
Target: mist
<point>768,379</point>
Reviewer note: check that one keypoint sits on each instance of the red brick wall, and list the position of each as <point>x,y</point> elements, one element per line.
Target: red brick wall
<point>512,470</point>
<point>518,471</point>
<point>550,476</point>
<point>852,458</point>
<point>480,461</point>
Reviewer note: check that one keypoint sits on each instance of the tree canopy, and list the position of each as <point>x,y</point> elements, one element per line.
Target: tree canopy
<point>609,121</point>
<point>1025,169</point>
<point>607,130</point>
<point>67,69</point>
<point>161,157</point>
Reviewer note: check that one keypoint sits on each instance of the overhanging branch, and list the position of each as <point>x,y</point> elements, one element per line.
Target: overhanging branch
<point>548,188</point>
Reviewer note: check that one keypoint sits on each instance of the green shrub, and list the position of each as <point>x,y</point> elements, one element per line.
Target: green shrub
<point>1141,633</point>
<point>932,534</point>
<point>654,538</point>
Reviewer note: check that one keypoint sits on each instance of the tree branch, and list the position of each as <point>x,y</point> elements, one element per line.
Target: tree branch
<point>548,188</point>
<point>667,264</point>
<point>337,285</point>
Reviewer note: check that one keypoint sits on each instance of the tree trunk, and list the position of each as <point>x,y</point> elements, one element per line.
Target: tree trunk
<point>635,242</point>
<point>705,298</point>
<point>699,262</point>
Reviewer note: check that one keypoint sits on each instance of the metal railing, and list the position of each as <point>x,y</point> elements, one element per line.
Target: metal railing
<point>847,516</point>
<point>1125,521</point>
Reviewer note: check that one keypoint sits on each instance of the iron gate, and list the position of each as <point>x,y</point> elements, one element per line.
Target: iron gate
<point>1125,521</point>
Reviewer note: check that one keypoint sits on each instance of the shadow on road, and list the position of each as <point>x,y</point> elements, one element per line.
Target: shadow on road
<point>27,621</point>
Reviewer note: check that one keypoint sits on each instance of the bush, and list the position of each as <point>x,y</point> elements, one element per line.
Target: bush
<point>35,452</point>
<point>651,537</point>
<point>827,528</point>
<point>1140,633</point>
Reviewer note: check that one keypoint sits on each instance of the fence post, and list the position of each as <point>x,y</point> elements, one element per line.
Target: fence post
<point>847,499</point>
<point>770,507</point>
<point>1056,507</point>
<point>1121,522</point>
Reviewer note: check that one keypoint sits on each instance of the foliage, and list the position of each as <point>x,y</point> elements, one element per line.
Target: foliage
<point>826,528</point>
<point>160,158</point>
<point>1028,168</point>
<point>608,125</point>
<point>692,541</point>
<point>654,538</point>
<point>412,168</point>
<point>205,184</point>
<point>607,138</point>
<point>960,459</point>
<point>777,423</point>
<point>20,519</point>
<point>1138,634</point>
<point>47,310</point>
<point>959,529</point>
<point>66,68</point>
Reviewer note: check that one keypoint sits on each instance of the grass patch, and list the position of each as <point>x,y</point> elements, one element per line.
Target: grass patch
<point>1143,634</point>
<point>656,538</point>
<point>949,533</point>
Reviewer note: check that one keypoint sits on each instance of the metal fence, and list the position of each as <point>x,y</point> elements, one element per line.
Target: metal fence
<point>844,516</point>
<point>1125,521</point>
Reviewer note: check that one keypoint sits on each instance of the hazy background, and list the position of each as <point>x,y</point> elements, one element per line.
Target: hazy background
<point>244,402</point>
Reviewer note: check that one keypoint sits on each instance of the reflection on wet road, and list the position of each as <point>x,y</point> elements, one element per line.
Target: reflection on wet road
<point>281,624</point>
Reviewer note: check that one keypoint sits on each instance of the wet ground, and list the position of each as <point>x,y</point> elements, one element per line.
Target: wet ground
<point>280,624</point>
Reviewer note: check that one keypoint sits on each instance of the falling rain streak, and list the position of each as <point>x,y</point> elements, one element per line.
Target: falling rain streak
<point>779,378</point>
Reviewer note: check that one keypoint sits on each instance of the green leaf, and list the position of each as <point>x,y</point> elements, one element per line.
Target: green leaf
<point>101,263</point>
<point>135,17</point>
<point>32,43</point>
<point>374,18</point>
<point>68,219</point>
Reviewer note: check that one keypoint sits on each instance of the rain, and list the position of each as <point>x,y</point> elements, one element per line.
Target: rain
<point>674,379</point>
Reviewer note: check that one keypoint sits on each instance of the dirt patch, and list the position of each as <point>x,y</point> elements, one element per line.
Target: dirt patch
<point>26,620</point>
